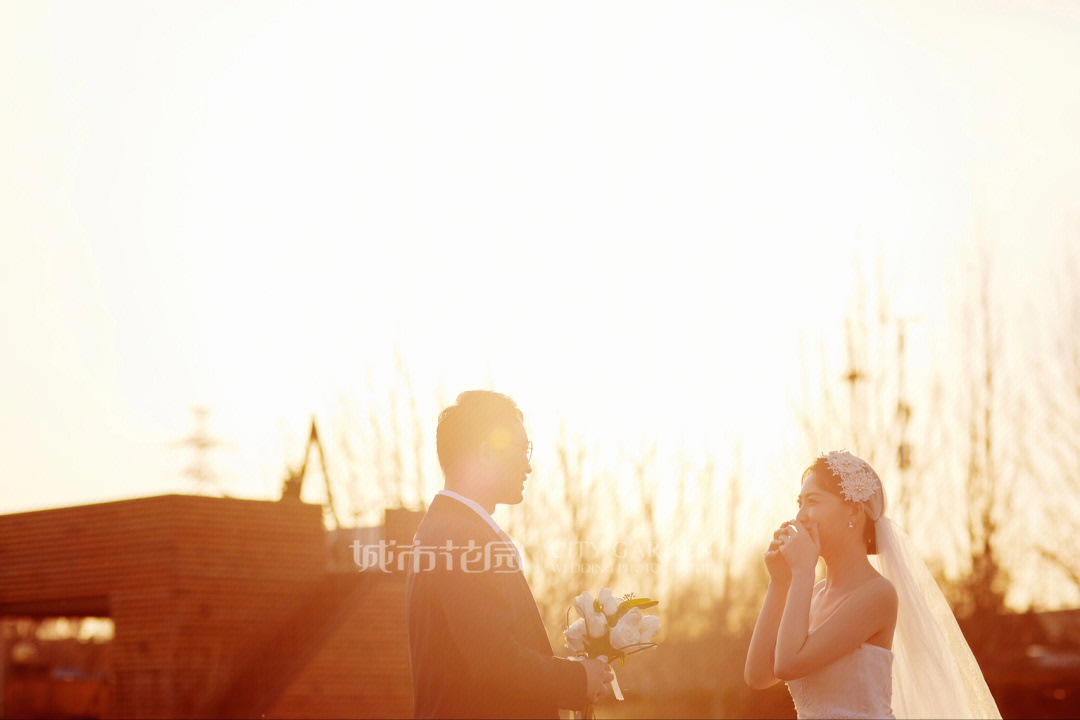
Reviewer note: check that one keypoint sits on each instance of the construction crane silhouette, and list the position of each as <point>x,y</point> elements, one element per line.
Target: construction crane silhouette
<point>294,478</point>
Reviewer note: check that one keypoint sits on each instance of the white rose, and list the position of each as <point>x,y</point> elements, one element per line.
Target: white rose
<point>608,601</point>
<point>594,621</point>
<point>584,603</point>
<point>648,627</point>
<point>626,632</point>
<point>597,624</point>
<point>575,636</point>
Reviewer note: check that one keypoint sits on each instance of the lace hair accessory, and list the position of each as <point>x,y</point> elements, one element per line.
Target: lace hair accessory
<point>858,481</point>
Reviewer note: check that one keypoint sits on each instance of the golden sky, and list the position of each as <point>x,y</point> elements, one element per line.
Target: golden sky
<point>624,215</point>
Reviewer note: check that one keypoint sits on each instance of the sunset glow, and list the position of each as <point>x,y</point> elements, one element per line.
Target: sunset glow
<point>643,223</point>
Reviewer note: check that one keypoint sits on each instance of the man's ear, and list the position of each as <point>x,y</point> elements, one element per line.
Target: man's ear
<point>486,454</point>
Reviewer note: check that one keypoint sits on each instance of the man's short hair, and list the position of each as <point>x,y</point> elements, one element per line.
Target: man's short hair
<point>471,420</point>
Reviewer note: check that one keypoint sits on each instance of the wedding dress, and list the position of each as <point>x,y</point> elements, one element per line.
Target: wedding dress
<point>858,685</point>
<point>930,671</point>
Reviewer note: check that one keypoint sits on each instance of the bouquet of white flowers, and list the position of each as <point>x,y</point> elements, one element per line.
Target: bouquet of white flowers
<point>610,629</point>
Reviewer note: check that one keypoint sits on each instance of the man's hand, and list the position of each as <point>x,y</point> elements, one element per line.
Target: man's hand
<point>598,675</point>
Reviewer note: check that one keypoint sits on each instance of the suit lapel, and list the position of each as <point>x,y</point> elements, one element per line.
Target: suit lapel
<point>480,529</point>
<point>522,597</point>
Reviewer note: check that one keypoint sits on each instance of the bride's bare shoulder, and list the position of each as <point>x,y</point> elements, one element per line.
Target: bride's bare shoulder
<point>881,591</point>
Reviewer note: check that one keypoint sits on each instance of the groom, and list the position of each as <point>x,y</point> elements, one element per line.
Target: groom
<point>477,643</point>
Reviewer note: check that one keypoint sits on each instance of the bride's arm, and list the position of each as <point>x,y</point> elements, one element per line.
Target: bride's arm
<point>868,610</point>
<point>758,672</point>
<point>759,658</point>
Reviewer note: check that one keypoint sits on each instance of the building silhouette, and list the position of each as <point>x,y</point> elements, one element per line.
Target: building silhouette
<point>222,607</point>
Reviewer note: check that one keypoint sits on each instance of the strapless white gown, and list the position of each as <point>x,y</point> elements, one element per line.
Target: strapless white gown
<point>858,685</point>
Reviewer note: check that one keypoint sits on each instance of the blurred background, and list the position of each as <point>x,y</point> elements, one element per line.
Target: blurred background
<point>698,244</point>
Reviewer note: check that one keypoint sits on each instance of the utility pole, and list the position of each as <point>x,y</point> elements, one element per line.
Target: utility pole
<point>200,471</point>
<point>852,377</point>
<point>903,411</point>
<point>903,408</point>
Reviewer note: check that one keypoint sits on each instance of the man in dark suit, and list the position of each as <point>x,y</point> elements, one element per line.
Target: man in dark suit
<point>477,643</point>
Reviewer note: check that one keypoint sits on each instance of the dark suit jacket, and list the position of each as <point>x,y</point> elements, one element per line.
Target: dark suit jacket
<point>477,644</point>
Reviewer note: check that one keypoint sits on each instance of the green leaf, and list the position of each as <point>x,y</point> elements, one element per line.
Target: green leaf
<point>640,603</point>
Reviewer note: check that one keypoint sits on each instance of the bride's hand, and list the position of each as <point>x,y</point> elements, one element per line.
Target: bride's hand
<point>777,565</point>
<point>799,546</point>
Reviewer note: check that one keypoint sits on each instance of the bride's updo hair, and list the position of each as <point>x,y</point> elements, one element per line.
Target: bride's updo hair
<point>831,482</point>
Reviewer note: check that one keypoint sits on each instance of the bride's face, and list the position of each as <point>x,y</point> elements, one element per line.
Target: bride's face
<point>824,510</point>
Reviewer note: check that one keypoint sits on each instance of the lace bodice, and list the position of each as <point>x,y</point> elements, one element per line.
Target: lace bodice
<point>858,685</point>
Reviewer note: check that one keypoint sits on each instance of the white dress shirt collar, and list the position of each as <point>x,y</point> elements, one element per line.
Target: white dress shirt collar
<point>477,508</point>
<point>484,515</point>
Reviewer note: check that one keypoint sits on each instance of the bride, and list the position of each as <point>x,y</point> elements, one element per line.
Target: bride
<point>873,638</point>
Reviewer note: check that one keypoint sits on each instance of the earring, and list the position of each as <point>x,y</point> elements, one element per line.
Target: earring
<point>851,524</point>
